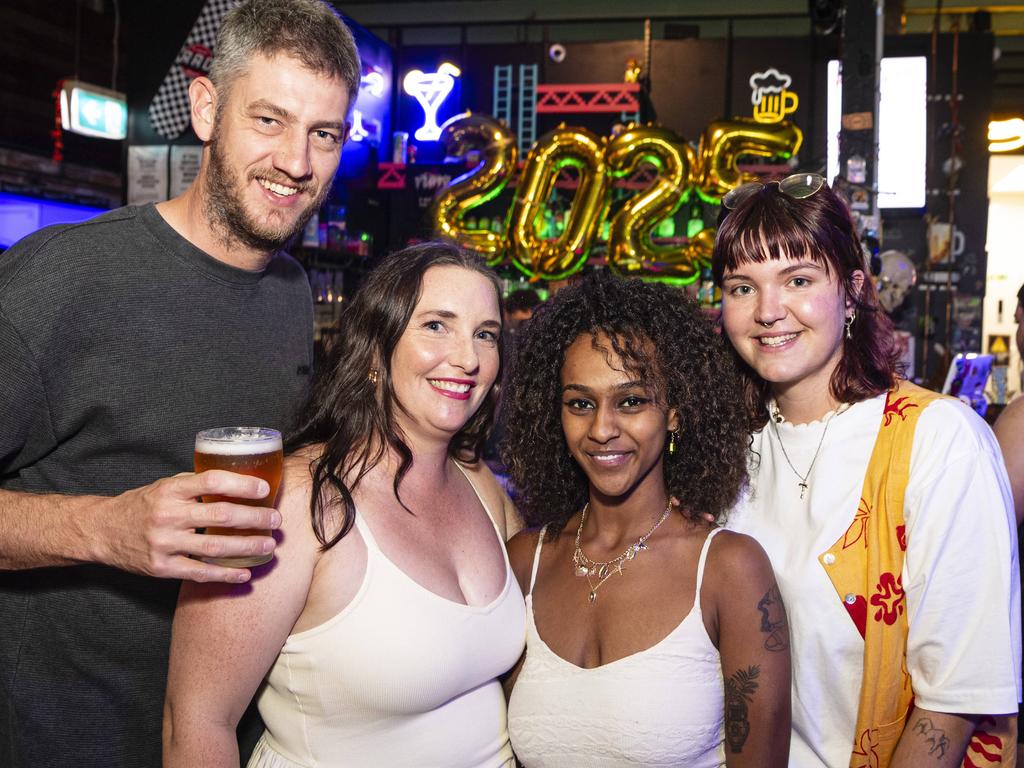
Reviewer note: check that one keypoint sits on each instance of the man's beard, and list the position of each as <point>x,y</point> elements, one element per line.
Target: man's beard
<point>225,208</point>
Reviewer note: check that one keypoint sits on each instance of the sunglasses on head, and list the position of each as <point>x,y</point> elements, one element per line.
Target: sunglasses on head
<point>798,186</point>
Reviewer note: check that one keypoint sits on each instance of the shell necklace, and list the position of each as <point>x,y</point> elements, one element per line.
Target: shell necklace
<point>602,571</point>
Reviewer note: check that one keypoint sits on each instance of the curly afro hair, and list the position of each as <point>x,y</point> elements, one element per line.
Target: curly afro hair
<point>662,337</point>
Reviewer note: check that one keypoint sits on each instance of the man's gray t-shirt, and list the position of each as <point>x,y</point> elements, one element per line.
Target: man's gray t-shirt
<point>118,341</point>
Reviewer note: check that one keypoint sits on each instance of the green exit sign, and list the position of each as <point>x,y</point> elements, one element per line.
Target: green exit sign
<point>93,111</point>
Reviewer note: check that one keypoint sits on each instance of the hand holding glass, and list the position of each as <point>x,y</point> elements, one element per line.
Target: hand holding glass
<point>253,451</point>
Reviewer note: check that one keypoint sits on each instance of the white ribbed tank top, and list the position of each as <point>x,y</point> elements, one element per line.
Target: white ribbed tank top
<point>662,706</point>
<point>400,677</point>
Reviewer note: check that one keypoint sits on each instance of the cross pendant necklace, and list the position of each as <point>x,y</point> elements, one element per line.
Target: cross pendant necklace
<point>775,416</point>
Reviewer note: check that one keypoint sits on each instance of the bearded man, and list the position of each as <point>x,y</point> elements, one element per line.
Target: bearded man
<point>122,336</point>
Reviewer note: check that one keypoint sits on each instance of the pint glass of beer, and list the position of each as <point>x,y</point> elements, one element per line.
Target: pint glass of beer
<point>248,451</point>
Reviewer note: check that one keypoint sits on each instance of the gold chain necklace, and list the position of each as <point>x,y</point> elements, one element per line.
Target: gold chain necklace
<point>592,569</point>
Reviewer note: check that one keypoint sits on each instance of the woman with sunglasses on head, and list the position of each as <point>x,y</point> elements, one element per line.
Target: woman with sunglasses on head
<point>653,637</point>
<point>884,508</point>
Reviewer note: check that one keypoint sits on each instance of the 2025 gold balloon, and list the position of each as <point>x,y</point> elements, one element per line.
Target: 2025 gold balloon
<point>725,141</point>
<point>561,148</point>
<point>481,183</point>
<point>712,170</point>
<point>630,250</point>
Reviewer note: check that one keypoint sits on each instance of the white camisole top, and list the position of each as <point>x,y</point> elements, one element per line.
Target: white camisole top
<point>400,677</point>
<point>662,706</point>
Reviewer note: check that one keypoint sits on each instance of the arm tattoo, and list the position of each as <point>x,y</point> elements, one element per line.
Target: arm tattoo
<point>738,691</point>
<point>934,737</point>
<point>773,620</point>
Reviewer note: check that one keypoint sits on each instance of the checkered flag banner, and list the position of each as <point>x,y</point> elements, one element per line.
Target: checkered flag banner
<point>169,110</point>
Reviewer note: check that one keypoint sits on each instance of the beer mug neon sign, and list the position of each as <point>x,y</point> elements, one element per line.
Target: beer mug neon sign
<point>771,96</point>
<point>430,89</point>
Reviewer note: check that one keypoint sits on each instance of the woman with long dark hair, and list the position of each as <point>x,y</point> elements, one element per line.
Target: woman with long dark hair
<point>654,638</point>
<point>380,628</point>
<point>884,507</point>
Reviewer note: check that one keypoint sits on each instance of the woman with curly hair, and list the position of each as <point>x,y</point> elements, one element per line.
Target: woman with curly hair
<point>653,638</point>
<point>377,635</point>
<point>884,507</point>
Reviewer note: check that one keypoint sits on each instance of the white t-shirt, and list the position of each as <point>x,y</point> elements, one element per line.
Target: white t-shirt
<point>960,574</point>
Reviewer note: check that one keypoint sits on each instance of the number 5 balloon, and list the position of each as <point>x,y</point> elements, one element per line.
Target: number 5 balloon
<point>725,141</point>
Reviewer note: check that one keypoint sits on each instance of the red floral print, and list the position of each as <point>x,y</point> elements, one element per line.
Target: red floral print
<point>888,598</point>
<point>897,407</point>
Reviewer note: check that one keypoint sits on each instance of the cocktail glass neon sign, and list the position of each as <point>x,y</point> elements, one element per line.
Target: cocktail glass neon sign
<point>430,89</point>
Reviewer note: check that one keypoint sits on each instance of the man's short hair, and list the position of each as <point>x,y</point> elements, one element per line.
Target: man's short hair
<point>308,30</point>
<point>522,300</point>
<point>1020,294</point>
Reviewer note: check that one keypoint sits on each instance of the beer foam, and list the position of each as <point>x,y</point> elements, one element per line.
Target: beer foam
<point>238,441</point>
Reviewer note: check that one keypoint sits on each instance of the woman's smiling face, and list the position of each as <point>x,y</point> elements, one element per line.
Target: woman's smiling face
<point>615,425</point>
<point>785,317</point>
<point>447,359</point>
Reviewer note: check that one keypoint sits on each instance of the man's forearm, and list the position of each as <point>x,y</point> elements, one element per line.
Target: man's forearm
<point>48,529</point>
<point>933,739</point>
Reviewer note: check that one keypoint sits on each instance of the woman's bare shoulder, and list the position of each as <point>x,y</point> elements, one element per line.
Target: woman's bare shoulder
<point>735,557</point>
<point>495,497</point>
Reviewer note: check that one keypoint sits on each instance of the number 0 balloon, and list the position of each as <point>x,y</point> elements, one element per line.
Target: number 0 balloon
<point>562,148</point>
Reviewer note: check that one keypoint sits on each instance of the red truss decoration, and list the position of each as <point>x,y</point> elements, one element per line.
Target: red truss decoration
<point>589,98</point>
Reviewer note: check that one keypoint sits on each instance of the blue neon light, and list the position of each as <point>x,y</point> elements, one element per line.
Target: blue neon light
<point>21,216</point>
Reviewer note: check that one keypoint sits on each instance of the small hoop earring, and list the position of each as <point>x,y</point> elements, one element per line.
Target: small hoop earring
<point>672,435</point>
<point>849,324</point>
